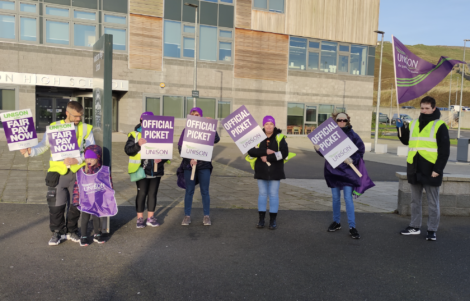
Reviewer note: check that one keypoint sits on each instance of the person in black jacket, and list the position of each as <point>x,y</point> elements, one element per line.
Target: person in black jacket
<point>269,170</point>
<point>202,176</point>
<point>147,188</point>
<point>428,139</point>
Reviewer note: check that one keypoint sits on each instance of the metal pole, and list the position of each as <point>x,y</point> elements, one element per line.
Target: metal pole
<point>195,58</point>
<point>391,99</point>
<point>461,89</point>
<point>450,87</point>
<point>378,94</point>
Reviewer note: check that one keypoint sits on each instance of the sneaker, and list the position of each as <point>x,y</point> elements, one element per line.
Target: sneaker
<point>99,238</point>
<point>55,239</point>
<point>73,236</point>
<point>410,231</point>
<point>140,223</point>
<point>354,234</point>
<point>186,221</point>
<point>431,236</point>
<point>206,220</point>
<point>334,226</point>
<point>83,241</point>
<point>152,222</point>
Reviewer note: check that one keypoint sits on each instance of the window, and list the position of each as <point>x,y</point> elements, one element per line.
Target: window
<point>173,10</point>
<point>180,106</point>
<point>271,5</point>
<point>208,13</point>
<point>221,1</point>
<point>225,45</point>
<point>28,8</point>
<point>57,12</point>
<point>119,37</point>
<point>358,59</point>
<point>208,106</point>
<point>328,56</point>
<point>188,47</point>
<point>189,29</point>
<point>118,6</point>
<point>208,43</point>
<point>173,106</point>
<point>115,19</point>
<point>7,101</point>
<point>9,5</point>
<point>172,39</point>
<point>7,27</point>
<point>92,4</point>
<point>152,104</point>
<point>371,61</point>
<point>297,53</point>
<point>84,15</point>
<point>223,109</point>
<point>28,29</point>
<point>325,112</point>
<point>313,55</point>
<point>84,35</point>
<point>226,16</point>
<point>295,118</point>
<point>343,59</point>
<point>57,32</point>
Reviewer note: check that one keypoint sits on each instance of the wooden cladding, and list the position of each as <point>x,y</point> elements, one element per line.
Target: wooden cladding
<point>146,7</point>
<point>145,42</point>
<point>268,21</point>
<point>243,14</point>
<point>261,55</point>
<point>352,21</point>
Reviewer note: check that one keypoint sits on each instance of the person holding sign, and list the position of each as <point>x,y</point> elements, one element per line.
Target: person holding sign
<point>61,174</point>
<point>93,194</point>
<point>269,157</point>
<point>151,173</point>
<point>343,177</point>
<point>429,148</point>
<point>203,169</point>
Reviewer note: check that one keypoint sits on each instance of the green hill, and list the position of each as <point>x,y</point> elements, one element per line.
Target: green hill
<point>432,55</point>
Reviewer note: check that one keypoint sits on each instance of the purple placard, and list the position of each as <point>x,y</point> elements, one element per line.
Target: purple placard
<point>63,141</point>
<point>328,135</point>
<point>19,130</point>
<point>158,129</point>
<point>200,130</point>
<point>239,123</point>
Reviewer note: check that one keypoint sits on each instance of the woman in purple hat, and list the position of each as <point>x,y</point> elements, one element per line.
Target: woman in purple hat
<point>269,170</point>
<point>203,175</point>
<point>147,188</point>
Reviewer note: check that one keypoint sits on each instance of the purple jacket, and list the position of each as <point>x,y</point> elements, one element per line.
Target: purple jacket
<point>343,175</point>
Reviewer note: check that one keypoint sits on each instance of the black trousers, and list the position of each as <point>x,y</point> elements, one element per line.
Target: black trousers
<point>57,219</point>
<point>84,223</point>
<point>147,188</point>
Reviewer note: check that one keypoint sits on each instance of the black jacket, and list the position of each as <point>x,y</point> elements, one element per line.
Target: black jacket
<point>421,169</point>
<point>276,170</point>
<point>186,163</point>
<point>131,148</point>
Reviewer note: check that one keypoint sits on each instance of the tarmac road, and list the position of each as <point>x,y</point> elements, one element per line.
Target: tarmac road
<point>232,260</point>
<point>306,165</point>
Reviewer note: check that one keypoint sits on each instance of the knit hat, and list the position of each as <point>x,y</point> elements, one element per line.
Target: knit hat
<point>268,118</point>
<point>89,154</point>
<point>342,116</point>
<point>196,109</point>
<point>146,114</point>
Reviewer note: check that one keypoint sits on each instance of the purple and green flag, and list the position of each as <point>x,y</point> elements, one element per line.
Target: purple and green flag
<point>415,76</point>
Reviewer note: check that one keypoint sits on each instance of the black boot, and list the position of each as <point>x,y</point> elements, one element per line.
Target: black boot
<point>272,221</point>
<point>260,224</point>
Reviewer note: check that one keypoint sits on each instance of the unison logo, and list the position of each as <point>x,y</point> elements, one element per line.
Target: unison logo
<point>93,187</point>
<point>337,155</point>
<point>249,141</point>
<point>403,58</point>
<point>15,114</point>
<point>155,151</point>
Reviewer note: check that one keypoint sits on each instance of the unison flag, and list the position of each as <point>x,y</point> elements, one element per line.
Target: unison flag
<point>415,76</point>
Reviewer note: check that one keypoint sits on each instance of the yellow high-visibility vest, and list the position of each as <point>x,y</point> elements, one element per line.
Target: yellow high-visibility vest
<point>279,137</point>
<point>134,161</point>
<point>424,142</point>
<point>59,166</point>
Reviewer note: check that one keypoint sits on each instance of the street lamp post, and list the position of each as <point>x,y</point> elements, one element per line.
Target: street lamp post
<point>450,87</point>
<point>379,88</point>
<point>195,50</point>
<point>461,88</point>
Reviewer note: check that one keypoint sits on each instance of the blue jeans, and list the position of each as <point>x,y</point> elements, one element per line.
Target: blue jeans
<point>204,177</point>
<point>347,191</point>
<point>270,188</point>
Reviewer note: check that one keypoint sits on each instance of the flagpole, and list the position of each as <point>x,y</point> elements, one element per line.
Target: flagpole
<point>461,88</point>
<point>377,117</point>
<point>396,85</point>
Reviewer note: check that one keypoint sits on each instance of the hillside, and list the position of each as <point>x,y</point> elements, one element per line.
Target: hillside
<point>432,55</point>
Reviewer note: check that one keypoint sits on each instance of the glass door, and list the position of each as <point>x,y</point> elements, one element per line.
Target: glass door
<point>60,108</point>
<point>44,113</point>
<point>88,110</point>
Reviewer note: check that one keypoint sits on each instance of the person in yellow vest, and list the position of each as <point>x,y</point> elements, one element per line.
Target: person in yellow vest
<point>60,195</point>
<point>269,170</point>
<point>147,187</point>
<point>429,149</point>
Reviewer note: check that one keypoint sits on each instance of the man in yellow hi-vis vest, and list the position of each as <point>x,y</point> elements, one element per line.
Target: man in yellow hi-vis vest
<point>59,196</point>
<point>429,149</point>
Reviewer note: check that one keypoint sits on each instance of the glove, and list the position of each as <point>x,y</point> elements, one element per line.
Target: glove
<point>317,147</point>
<point>399,123</point>
<point>348,161</point>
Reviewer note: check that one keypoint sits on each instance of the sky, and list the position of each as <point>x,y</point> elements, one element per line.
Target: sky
<point>428,22</point>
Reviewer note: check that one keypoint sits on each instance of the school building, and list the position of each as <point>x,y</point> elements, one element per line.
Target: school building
<point>297,60</point>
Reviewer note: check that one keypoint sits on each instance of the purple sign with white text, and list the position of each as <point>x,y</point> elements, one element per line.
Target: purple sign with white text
<point>63,141</point>
<point>199,136</point>
<point>158,131</point>
<point>19,129</point>
<point>334,144</point>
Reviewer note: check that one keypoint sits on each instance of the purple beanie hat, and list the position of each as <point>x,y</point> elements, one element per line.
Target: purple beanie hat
<point>89,154</point>
<point>199,110</point>
<point>268,118</point>
<point>146,114</point>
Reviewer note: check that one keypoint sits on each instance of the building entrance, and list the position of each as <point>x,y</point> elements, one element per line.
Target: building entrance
<point>49,110</point>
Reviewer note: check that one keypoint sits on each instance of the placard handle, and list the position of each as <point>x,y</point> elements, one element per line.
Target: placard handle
<point>26,155</point>
<point>193,172</point>
<point>155,166</point>
<point>355,170</point>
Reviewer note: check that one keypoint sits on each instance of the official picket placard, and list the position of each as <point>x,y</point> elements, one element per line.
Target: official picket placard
<point>334,144</point>
<point>199,136</point>
<point>158,131</point>
<point>63,141</point>
<point>243,129</point>
<point>19,129</point>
